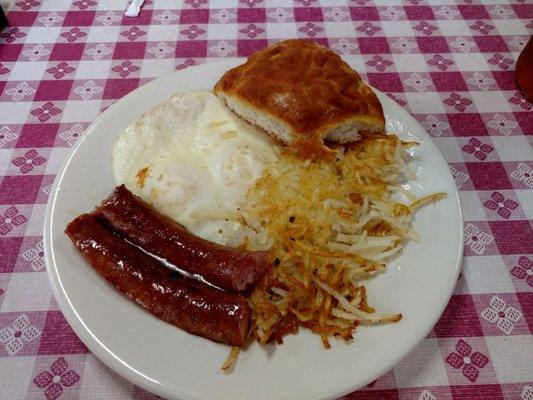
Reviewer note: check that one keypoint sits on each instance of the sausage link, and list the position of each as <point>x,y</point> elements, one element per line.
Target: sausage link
<point>187,304</point>
<point>228,268</point>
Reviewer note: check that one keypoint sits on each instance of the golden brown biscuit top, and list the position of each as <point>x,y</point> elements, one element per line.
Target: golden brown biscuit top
<point>304,84</point>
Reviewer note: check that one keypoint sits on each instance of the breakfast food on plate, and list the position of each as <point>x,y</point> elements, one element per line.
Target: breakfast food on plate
<point>194,160</point>
<point>302,93</point>
<point>228,268</point>
<point>331,224</point>
<point>187,304</point>
<point>294,225</point>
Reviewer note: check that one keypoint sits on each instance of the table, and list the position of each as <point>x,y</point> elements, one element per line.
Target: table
<point>450,65</point>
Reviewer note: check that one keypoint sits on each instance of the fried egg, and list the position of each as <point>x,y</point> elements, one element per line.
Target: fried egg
<point>193,160</point>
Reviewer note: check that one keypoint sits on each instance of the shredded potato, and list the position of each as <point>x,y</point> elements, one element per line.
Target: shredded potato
<point>231,360</point>
<point>329,224</point>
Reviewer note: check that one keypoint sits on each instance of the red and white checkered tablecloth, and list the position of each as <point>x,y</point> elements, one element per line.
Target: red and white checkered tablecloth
<point>449,64</point>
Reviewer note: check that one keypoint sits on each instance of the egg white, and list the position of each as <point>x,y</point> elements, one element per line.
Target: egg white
<point>198,159</point>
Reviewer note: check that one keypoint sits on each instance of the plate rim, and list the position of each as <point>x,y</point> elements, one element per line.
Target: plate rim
<point>128,372</point>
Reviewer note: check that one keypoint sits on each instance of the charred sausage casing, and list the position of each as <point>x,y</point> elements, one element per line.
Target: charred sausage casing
<point>187,304</point>
<point>228,268</point>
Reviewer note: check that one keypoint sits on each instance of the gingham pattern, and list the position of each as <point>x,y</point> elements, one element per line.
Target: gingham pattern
<point>450,65</point>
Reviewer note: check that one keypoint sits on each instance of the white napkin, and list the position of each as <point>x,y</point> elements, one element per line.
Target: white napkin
<point>134,8</point>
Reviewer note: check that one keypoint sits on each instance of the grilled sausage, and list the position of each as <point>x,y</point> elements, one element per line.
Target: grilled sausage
<point>228,268</point>
<point>190,305</point>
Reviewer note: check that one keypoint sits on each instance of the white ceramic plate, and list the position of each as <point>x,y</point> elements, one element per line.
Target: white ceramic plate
<point>176,365</point>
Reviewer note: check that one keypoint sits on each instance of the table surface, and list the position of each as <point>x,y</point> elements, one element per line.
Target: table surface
<point>450,65</point>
